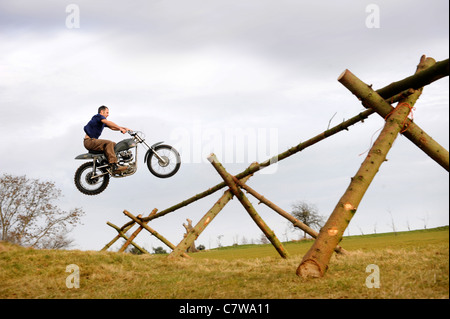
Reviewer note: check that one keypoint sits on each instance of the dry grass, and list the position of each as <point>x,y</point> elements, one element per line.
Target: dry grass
<point>406,271</point>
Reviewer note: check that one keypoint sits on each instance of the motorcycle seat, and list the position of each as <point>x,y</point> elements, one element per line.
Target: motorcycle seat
<point>95,152</point>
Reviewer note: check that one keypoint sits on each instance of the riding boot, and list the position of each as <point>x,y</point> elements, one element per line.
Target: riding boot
<point>117,168</point>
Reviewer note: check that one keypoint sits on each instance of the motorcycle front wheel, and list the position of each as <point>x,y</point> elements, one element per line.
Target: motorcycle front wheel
<point>168,166</point>
<point>86,183</point>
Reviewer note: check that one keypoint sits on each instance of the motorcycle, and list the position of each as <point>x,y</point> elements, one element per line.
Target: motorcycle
<point>92,178</point>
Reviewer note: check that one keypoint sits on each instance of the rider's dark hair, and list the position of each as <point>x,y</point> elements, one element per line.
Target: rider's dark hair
<point>102,108</point>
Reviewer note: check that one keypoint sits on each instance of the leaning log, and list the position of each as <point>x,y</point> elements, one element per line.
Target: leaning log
<point>122,234</point>
<point>123,230</point>
<point>206,220</point>
<point>315,262</point>
<point>135,233</point>
<point>418,80</point>
<point>232,183</point>
<point>152,231</point>
<point>297,223</point>
<point>193,234</point>
<point>414,133</point>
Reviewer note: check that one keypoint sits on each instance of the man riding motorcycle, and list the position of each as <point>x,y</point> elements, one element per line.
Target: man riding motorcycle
<point>94,129</point>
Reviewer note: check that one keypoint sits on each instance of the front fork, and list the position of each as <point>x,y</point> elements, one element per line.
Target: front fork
<point>151,149</point>
<point>161,160</point>
<point>156,154</point>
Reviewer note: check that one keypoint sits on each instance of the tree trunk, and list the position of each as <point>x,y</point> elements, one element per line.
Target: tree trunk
<point>232,183</point>
<point>315,262</point>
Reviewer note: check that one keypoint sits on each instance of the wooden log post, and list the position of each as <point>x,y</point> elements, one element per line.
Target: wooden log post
<point>205,221</point>
<point>152,231</point>
<point>297,223</point>
<point>191,248</point>
<point>135,233</point>
<point>414,133</point>
<point>429,74</point>
<point>315,262</point>
<point>122,234</point>
<point>124,230</point>
<point>232,183</point>
<point>201,225</point>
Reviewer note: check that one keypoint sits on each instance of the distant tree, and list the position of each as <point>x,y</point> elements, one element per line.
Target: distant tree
<point>307,214</point>
<point>236,240</point>
<point>263,239</point>
<point>59,241</point>
<point>425,221</point>
<point>159,250</point>
<point>393,223</point>
<point>135,251</point>
<point>219,243</point>
<point>29,215</point>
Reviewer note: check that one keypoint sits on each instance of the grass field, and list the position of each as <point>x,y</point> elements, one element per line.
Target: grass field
<point>411,265</point>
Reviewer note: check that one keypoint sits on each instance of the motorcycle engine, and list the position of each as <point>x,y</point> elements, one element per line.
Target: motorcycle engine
<point>126,156</point>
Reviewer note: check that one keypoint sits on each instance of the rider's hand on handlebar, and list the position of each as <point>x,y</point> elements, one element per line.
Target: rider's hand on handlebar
<point>124,130</point>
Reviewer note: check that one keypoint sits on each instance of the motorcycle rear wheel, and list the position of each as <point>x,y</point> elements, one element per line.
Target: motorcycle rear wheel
<point>88,185</point>
<point>169,167</point>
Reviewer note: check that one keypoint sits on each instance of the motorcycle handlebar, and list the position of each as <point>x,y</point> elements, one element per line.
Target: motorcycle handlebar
<point>136,133</point>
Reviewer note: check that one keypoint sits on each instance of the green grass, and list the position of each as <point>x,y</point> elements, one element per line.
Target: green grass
<point>412,265</point>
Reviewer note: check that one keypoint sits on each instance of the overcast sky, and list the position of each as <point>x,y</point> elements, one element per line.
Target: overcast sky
<point>198,75</point>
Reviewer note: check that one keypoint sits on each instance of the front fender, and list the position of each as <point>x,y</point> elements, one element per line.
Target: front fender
<point>156,144</point>
<point>151,151</point>
<point>147,155</point>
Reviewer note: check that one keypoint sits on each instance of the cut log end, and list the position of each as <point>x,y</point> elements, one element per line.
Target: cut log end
<point>212,158</point>
<point>343,74</point>
<point>309,269</point>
